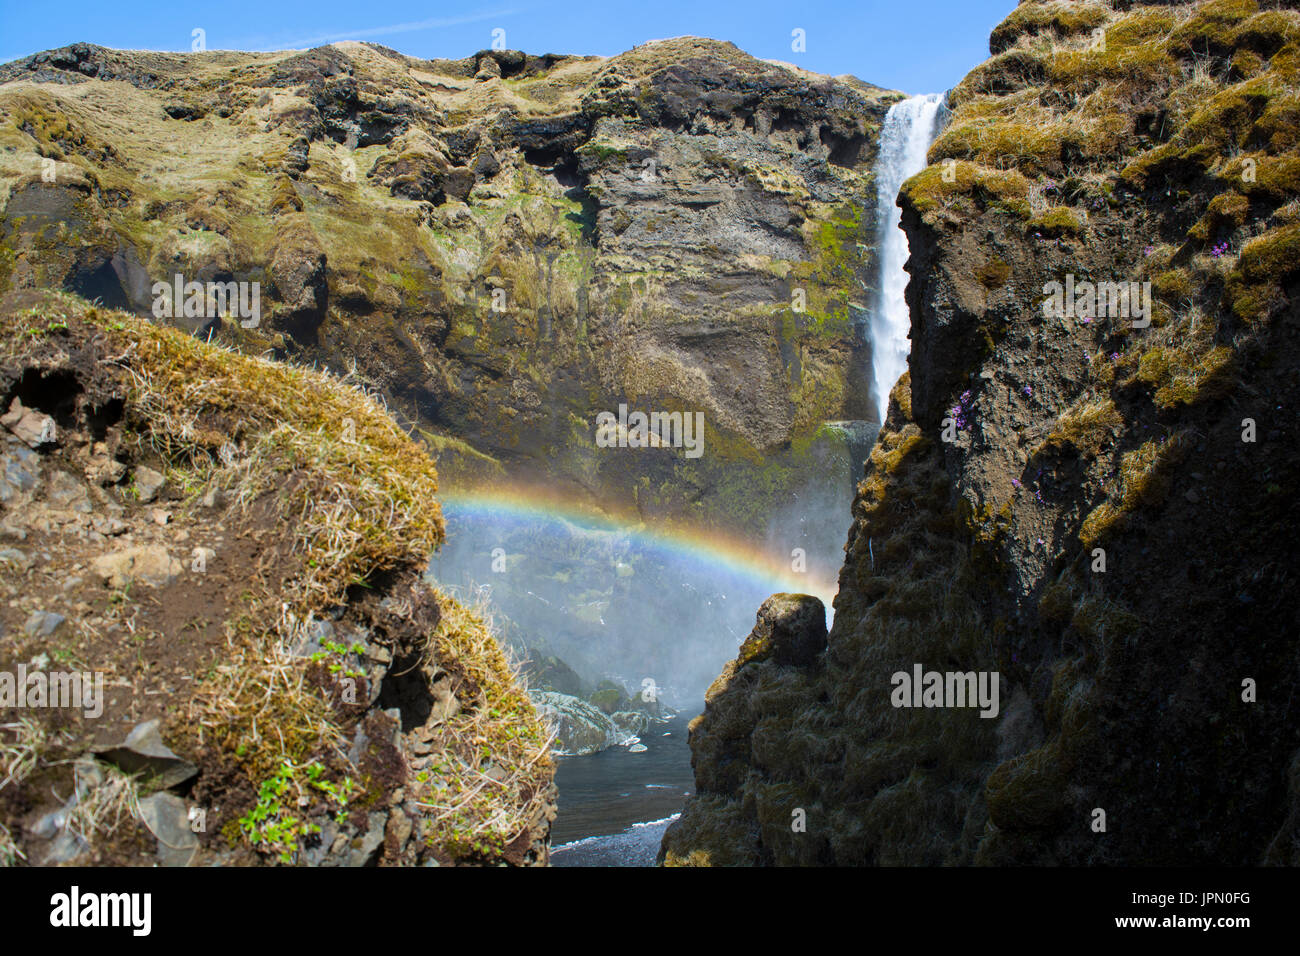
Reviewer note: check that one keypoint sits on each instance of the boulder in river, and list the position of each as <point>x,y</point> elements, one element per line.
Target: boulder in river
<point>580,727</point>
<point>631,722</point>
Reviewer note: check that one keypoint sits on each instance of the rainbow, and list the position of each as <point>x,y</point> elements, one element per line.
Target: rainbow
<point>741,558</point>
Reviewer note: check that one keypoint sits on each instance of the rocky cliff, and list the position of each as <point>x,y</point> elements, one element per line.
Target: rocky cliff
<point>503,246</point>
<point>216,643</point>
<point>1095,503</point>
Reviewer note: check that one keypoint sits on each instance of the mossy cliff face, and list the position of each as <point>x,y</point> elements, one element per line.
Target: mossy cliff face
<point>503,246</point>
<point>1151,679</point>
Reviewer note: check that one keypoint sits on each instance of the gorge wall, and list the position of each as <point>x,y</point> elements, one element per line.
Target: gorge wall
<point>502,246</point>
<point>1098,509</point>
<point>462,261</point>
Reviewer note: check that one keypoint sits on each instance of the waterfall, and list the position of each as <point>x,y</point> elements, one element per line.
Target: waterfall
<point>910,127</point>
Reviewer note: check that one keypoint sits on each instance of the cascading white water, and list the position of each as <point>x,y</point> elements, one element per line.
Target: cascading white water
<point>910,127</point>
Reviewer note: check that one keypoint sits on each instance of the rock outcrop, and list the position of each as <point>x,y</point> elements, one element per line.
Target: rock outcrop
<point>215,635</point>
<point>791,630</point>
<point>582,728</point>
<point>1096,503</point>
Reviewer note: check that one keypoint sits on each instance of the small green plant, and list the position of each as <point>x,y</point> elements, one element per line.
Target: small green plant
<point>52,326</point>
<point>274,822</point>
<point>342,651</point>
<point>340,793</point>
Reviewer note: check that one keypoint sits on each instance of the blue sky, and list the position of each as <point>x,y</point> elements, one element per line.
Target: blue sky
<point>920,46</point>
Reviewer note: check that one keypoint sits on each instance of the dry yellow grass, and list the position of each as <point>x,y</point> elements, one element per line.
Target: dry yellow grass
<point>354,497</point>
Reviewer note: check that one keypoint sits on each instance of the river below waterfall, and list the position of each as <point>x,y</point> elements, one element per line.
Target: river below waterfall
<point>585,601</point>
<point>615,805</point>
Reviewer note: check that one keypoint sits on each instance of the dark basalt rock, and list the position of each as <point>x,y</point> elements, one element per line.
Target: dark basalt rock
<point>1130,582</point>
<point>184,111</point>
<point>298,272</point>
<point>791,630</point>
<point>295,160</point>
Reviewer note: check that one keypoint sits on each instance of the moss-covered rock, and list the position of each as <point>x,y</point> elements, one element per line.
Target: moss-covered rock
<point>497,255</point>
<point>580,727</point>
<point>791,630</point>
<point>281,521</point>
<point>1047,490</point>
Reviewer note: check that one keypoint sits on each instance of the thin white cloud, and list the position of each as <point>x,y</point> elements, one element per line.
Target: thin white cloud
<point>370,32</point>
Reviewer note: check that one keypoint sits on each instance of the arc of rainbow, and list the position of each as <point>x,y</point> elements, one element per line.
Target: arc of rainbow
<point>737,556</point>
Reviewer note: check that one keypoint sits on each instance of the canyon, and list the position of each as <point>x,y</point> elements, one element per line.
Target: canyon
<point>920,453</point>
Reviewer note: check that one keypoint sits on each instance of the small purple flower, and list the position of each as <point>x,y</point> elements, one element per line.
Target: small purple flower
<point>1015,482</point>
<point>1114,356</point>
<point>1028,390</point>
<point>1148,250</point>
<point>1220,249</point>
